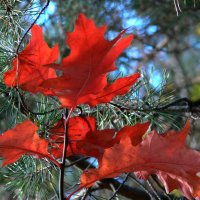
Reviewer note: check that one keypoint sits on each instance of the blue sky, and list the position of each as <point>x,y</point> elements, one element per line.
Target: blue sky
<point>49,11</point>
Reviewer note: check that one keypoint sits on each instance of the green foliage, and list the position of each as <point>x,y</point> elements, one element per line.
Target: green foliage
<point>195,92</point>
<point>30,178</point>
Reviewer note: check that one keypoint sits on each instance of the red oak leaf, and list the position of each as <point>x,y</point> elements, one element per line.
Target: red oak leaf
<point>96,142</point>
<point>135,133</point>
<point>165,155</point>
<point>29,69</point>
<point>119,87</point>
<point>83,138</point>
<point>78,127</point>
<point>84,78</point>
<point>23,139</point>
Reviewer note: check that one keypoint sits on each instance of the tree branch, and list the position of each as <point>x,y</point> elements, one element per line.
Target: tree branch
<point>62,169</point>
<point>121,185</point>
<point>38,16</point>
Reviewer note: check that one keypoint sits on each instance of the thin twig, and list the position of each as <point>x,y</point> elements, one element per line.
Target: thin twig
<point>41,11</point>
<point>114,191</point>
<point>153,190</point>
<point>160,187</point>
<point>62,168</point>
<point>86,194</point>
<point>175,103</point>
<point>75,162</point>
<point>117,190</point>
<point>137,182</point>
<point>175,7</point>
<point>190,107</point>
<point>66,116</point>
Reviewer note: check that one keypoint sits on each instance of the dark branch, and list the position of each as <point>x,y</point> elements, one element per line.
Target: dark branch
<point>38,16</point>
<point>62,169</point>
<point>177,105</point>
<point>120,186</point>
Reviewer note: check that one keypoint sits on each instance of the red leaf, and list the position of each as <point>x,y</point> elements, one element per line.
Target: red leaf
<point>165,155</point>
<point>20,140</point>
<point>134,132</point>
<point>119,87</point>
<point>78,127</point>
<point>96,142</point>
<point>83,138</point>
<point>29,69</point>
<point>85,69</point>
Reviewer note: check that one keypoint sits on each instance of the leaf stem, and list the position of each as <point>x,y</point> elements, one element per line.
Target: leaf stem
<point>66,116</point>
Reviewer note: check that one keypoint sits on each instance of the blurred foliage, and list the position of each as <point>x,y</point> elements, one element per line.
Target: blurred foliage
<point>195,92</point>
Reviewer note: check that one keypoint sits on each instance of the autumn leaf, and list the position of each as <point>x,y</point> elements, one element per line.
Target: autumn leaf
<point>84,78</point>
<point>83,138</point>
<point>95,142</point>
<point>135,133</point>
<point>165,155</point>
<point>23,139</point>
<point>77,129</point>
<point>29,71</point>
<point>119,87</point>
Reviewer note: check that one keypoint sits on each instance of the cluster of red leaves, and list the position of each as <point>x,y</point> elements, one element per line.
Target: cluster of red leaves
<point>83,80</point>
<point>165,155</point>
<point>84,71</point>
